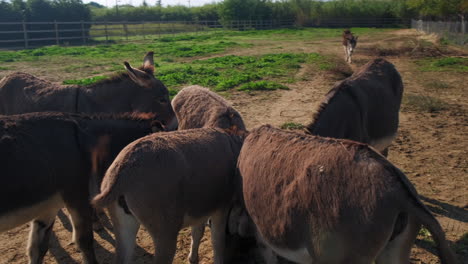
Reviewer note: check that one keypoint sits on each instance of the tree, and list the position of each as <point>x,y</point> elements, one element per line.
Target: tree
<point>440,8</point>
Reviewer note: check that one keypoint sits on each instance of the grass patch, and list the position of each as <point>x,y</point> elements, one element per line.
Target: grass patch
<point>426,236</point>
<point>454,64</point>
<point>2,68</point>
<point>85,81</point>
<point>292,126</point>
<point>227,72</point>
<point>124,51</point>
<point>424,103</point>
<point>438,85</point>
<point>262,86</point>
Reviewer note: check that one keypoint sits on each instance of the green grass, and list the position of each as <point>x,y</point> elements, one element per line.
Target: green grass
<point>2,68</point>
<point>262,86</point>
<point>292,126</point>
<point>224,73</point>
<point>453,64</point>
<point>124,51</point>
<point>85,81</point>
<point>426,236</point>
<point>422,103</point>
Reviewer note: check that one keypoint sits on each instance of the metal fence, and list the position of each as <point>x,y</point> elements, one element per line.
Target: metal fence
<point>20,35</point>
<point>452,31</point>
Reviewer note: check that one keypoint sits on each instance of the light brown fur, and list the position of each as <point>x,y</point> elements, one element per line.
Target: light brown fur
<point>197,107</point>
<point>168,182</point>
<point>336,201</point>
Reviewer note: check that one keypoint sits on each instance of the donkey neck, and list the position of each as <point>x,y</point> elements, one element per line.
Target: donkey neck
<point>111,96</point>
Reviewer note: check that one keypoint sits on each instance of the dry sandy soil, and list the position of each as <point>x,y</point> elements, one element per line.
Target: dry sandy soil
<point>431,148</point>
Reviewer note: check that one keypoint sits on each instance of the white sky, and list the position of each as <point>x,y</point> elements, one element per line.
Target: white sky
<point>153,2</point>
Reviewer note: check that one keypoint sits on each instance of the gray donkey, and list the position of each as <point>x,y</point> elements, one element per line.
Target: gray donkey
<point>364,107</point>
<point>137,90</point>
<point>168,181</point>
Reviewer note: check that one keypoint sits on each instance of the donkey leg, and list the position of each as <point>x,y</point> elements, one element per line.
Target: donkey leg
<point>385,152</point>
<point>197,234</point>
<point>125,230</point>
<point>398,250</point>
<point>165,241</point>
<point>39,236</point>
<point>82,217</point>
<point>218,234</point>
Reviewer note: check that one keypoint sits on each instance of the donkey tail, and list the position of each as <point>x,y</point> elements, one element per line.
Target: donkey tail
<point>111,188</point>
<point>424,215</point>
<point>446,255</point>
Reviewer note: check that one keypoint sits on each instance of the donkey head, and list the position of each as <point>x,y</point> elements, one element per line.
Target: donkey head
<point>153,95</point>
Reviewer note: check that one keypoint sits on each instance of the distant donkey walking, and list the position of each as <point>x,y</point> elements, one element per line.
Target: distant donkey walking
<point>349,44</point>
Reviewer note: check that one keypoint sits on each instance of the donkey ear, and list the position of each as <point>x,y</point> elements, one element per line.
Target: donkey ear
<point>148,62</point>
<point>138,76</point>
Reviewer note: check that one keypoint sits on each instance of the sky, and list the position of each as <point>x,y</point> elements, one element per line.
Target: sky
<point>153,2</point>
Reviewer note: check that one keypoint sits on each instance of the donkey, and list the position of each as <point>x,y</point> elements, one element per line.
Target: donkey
<point>349,44</point>
<point>363,107</point>
<point>167,181</point>
<point>323,200</point>
<point>197,107</point>
<point>137,90</point>
<point>48,160</point>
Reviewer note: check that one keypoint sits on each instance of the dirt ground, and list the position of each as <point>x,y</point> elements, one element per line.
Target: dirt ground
<point>431,148</point>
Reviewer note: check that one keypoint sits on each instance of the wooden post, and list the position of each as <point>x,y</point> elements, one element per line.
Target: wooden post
<point>125,30</point>
<point>25,33</point>
<point>105,31</point>
<point>143,29</point>
<point>83,35</point>
<point>56,33</point>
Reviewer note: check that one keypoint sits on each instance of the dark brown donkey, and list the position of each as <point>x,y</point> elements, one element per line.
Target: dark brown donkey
<point>46,161</point>
<point>197,107</point>
<point>137,90</point>
<point>169,181</point>
<point>322,200</point>
<point>363,107</point>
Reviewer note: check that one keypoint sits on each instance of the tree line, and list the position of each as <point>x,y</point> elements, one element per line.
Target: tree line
<point>301,11</point>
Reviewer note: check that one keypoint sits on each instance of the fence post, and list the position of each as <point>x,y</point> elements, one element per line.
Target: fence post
<point>159,29</point>
<point>125,30</point>
<point>56,33</point>
<point>143,29</point>
<point>105,30</point>
<point>25,33</point>
<point>83,36</point>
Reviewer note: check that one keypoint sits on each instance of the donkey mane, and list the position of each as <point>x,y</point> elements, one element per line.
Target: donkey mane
<point>329,97</point>
<point>116,77</point>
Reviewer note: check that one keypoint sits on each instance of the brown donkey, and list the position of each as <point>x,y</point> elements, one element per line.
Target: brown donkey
<point>168,181</point>
<point>364,107</point>
<point>197,107</point>
<point>47,160</point>
<point>322,200</point>
<point>137,90</point>
<point>349,44</point>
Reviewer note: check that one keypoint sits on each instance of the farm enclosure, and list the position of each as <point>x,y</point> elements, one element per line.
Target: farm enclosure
<point>431,147</point>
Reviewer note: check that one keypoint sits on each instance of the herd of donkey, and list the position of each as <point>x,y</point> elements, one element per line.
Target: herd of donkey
<point>325,195</point>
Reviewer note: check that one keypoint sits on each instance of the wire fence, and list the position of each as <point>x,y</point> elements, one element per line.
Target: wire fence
<point>20,35</point>
<point>452,31</point>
